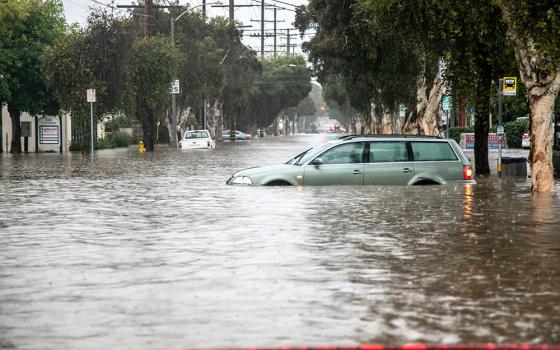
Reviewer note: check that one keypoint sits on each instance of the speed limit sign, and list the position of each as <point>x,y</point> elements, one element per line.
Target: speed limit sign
<point>175,89</point>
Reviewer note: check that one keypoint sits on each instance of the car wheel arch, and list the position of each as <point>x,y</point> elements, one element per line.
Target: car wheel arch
<point>278,182</point>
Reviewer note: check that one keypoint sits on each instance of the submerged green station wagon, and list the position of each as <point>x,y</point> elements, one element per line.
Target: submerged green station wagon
<point>368,160</point>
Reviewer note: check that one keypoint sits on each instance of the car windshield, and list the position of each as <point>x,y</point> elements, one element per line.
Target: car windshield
<point>302,158</point>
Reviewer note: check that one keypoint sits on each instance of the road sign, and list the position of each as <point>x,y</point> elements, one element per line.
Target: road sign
<point>509,86</point>
<point>446,103</point>
<point>90,94</point>
<point>500,130</point>
<point>175,89</point>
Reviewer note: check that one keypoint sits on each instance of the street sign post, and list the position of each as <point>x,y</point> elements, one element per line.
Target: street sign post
<point>507,86</point>
<point>91,98</point>
<point>175,90</point>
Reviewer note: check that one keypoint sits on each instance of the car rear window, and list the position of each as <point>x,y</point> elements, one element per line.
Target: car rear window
<point>387,152</point>
<point>197,135</point>
<point>432,151</point>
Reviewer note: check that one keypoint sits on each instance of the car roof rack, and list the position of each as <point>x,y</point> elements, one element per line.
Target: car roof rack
<point>380,136</point>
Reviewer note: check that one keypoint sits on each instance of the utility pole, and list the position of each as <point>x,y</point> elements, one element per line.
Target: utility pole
<point>274,31</point>
<point>204,10</point>
<point>231,15</point>
<point>148,13</point>
<point>262,29</point>
<point>148,5</point>
<point>288,43</point>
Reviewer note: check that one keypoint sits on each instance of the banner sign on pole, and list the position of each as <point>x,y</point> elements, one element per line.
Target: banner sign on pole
<point>509,86</point>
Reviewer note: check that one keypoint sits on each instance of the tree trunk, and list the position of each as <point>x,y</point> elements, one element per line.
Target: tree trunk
<point>482,123</point>
<point>86,139</point>
<point>425,120</point>
<point>540,155</point>
<point>429,119</point>
<point>542,85</point>
<point>386,123</point>
<point>15,116</point>
<point>149,130</point>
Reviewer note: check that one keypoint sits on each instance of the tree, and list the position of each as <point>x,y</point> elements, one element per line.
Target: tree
<point>27,27</point>
<point>69,74</point>
<point>533,31</point>
<point>154,61</point>
<point>285,81</point>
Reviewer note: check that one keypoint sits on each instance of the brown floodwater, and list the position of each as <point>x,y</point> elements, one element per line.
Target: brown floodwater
<point>154,251</point>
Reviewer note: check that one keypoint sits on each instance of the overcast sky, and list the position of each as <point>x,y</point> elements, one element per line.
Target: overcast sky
<point>77,11</point>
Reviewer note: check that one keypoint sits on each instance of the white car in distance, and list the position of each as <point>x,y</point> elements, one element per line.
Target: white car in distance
<point>196,139</point>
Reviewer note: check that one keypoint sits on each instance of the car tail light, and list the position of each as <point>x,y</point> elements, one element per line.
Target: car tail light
<point>208,144</point>
<point>467,172</point>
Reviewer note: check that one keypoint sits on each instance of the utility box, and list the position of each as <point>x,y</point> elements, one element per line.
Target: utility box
<point>514,166</point>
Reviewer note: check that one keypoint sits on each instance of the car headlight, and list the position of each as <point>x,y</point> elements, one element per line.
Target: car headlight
<point>241,180</point>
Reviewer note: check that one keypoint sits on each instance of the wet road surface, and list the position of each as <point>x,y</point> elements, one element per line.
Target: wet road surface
<point>154,251</point>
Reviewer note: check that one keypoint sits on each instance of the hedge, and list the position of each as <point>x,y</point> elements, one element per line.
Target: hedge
<point>513,130</point>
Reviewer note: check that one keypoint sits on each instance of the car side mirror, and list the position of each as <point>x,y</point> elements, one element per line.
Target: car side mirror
<point>317,161</point>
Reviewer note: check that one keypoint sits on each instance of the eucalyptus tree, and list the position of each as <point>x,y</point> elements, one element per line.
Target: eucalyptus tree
<point>285,81</point>
<point>380,65</point>
<point>240,67</point>
<point>154,62</point>
<point>533,29</point>
<point>27,27</point>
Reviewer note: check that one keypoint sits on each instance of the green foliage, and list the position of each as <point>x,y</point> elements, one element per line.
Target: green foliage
<point>122,121</point>
<point>153,66</point>
<point>455,133</point>
<point>117,139</point>
<point>540,21</point>
<point>284,83</point>
<point>26,28</point>
<point>514,131</point>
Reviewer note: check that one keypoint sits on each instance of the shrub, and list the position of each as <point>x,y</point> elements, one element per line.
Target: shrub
<point>103,144</point>
<point>455,133</point>
<point>118,139</point>
<point>514,132</point>
<point>75,146</point>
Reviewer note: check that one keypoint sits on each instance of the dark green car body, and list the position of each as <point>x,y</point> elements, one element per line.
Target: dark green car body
<point>368,160</point>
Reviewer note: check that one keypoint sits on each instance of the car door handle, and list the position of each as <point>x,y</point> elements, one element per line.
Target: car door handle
<point>356,172</point>
<point>407,170</point>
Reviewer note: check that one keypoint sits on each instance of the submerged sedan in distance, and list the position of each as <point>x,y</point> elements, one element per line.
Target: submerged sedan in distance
<point>368,160</point>
<point>239,136</point>
<point>197,139</point>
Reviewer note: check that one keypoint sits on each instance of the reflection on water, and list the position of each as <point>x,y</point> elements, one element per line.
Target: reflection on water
<point>155,251</point>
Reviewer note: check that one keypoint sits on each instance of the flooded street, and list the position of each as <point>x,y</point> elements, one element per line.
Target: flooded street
<point>154,251</point>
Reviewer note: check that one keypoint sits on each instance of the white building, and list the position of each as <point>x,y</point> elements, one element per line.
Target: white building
<point>49,133</point>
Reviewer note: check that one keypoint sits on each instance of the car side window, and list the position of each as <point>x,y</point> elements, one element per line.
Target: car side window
<point>344,154</point>
<point>432,151</point>
<point>383,152</point>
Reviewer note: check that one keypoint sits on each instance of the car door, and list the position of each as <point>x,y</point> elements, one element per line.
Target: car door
<point>388,163</point>
<point>436,161</point>
<point>339,165</point>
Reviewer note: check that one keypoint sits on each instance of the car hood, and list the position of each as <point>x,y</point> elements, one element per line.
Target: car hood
<point>263,170</point>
